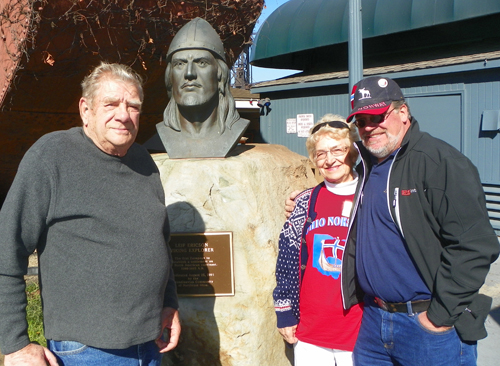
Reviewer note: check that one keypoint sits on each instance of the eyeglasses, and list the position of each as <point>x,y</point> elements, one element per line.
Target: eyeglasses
<point>336,152</point>
<point>376,119</point>
<point>334,124</point>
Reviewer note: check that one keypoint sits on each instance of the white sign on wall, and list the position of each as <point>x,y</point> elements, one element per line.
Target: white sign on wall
<point>291,125</point>
<point>304,124</point>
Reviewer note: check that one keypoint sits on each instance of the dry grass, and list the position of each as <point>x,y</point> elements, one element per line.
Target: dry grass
<point>34,309</point>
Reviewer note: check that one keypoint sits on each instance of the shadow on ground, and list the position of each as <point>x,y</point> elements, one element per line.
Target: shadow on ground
<point>495,314</point>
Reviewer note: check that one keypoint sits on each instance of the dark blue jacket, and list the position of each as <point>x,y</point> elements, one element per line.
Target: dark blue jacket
<point>437,201</point>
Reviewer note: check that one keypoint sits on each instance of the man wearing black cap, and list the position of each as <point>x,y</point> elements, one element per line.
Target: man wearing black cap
<point>420,243</point>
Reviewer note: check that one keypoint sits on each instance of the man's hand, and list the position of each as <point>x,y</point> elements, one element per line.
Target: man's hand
<point>31,355</point>
<point>427,324</point>
<point>290,204</point>
<point>169,320</point>
<point>288,334</point>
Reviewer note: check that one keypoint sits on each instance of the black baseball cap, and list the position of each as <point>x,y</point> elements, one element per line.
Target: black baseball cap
<point>374,95</point>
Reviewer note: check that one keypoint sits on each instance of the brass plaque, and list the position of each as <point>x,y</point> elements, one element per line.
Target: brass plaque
<point>203,263</point>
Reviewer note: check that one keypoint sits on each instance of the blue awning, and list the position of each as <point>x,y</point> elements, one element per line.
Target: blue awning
<point>301,25</point>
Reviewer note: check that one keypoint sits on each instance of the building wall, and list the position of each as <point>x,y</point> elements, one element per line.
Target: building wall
<point>448,106</point>
<point>318,101</point>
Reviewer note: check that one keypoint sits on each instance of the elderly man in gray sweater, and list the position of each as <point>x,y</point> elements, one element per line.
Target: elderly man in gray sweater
<point>90,201</point>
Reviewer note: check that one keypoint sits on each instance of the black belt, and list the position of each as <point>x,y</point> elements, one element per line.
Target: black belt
<point>402,307</point>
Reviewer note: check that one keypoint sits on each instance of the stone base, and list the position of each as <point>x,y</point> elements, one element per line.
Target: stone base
<point>245,194</point>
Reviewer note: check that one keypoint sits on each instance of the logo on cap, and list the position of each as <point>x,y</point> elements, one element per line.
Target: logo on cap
<point>364,93</point>
<point>354,88</point>
<point>383,83</point>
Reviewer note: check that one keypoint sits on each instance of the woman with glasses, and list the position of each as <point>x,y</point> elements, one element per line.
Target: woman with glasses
<point>307,298</point>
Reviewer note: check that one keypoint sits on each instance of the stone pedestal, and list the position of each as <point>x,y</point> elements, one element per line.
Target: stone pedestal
<point>244,194</point>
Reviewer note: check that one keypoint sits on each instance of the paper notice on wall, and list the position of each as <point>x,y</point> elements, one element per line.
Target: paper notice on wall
<point>304,124</point>
<point>291,125</point>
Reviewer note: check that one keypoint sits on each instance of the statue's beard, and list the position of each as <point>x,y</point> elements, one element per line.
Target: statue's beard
<point>193,100</point>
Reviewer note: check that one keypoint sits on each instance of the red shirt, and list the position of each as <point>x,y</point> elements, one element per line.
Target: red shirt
<point>323,320</point>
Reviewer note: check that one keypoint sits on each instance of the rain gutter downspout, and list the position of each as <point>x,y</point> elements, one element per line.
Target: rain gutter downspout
<point>355,45</point>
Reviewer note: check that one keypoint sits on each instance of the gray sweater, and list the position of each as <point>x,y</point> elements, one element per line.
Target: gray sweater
<point>101,229</point>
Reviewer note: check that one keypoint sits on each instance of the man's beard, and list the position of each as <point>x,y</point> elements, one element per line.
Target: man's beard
<point>387,149</point>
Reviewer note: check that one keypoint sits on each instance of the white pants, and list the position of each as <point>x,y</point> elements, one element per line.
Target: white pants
<point>306,354</point>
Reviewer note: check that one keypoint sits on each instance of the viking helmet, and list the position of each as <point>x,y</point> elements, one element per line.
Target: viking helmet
<point>197,34</point>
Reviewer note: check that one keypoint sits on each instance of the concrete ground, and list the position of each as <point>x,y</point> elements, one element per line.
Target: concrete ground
<point>489,348</point>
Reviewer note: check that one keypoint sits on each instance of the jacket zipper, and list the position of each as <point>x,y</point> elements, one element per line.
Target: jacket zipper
<point>396,217</point>
<point>354,210</point>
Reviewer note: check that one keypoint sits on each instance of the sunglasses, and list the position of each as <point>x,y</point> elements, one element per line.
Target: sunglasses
<point>376,119</point>
<point>333,124</point>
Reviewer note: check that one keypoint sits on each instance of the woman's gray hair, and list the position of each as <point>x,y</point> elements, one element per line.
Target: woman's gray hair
<point>92,82</point>
<point>349,134</point>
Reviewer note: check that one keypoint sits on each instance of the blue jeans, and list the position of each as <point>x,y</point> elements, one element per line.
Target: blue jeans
<point>399,339</point>
<point>70,353</point>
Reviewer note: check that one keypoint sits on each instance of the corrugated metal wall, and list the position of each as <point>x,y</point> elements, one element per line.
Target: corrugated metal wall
<point>493,205</point>
<point>483,149</point>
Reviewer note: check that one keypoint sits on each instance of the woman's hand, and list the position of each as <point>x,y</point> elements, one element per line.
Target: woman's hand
<point>288,334</point>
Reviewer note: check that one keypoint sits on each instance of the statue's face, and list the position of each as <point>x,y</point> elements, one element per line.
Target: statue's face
<point>194,77</point>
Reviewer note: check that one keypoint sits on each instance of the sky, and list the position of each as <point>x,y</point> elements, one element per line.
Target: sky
<point>262,74</point>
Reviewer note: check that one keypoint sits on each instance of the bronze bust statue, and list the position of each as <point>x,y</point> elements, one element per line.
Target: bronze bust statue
<point>200,120</point>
